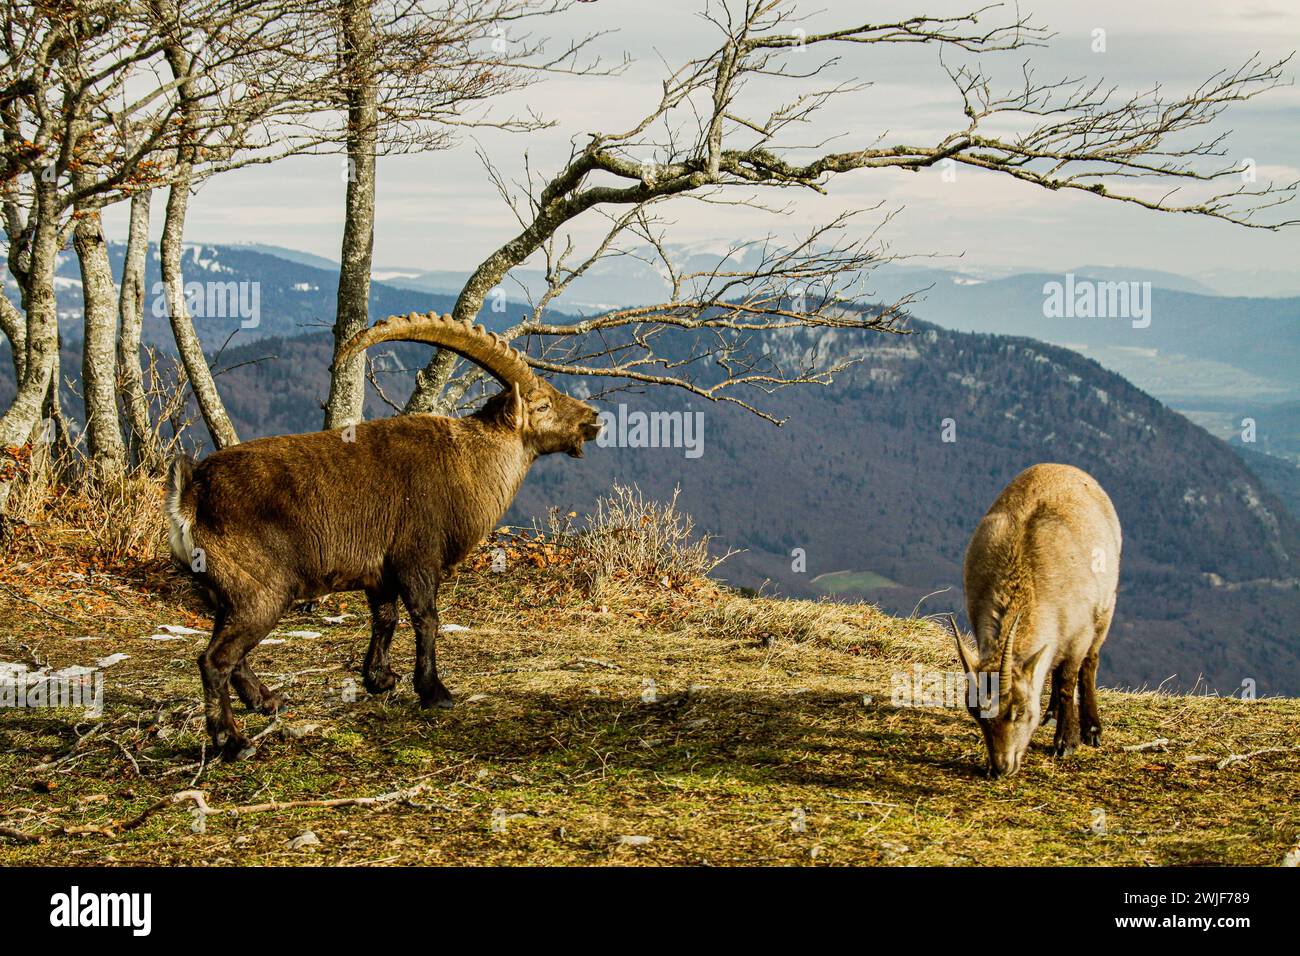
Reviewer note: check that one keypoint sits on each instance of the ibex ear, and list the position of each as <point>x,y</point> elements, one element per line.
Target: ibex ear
<point>517,409</point>
<point>963,654</point>
<point>1030,666</point>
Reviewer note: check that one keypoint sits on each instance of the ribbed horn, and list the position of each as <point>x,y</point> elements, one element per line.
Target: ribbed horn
<point>1008,658</point>
<point>470,341</point>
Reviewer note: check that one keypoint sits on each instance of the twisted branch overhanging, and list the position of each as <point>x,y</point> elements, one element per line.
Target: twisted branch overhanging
<point>699,141</point>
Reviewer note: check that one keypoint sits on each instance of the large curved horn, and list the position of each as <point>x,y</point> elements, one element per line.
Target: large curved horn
<point>484,348</point>
<point>1008,658</point>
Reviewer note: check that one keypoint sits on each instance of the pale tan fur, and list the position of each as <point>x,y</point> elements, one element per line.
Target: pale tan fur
<point>1046,557</point>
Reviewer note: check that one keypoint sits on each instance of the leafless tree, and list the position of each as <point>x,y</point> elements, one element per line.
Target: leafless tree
<point>715,136</point>
<point>105,100</point>
<point>65,153</point>
<point>245,85</point>
<point>410,73</point>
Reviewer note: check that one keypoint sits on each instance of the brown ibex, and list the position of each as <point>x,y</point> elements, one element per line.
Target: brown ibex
<point>384,506</point>
<point>1040,576</point>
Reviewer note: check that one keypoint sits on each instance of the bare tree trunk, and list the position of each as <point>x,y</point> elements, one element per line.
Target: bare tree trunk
<point>131,321</point>
<point>14,325</point>
<point>187,340</point>
<point>170,246</point>
<point>98,382</point>
<point>42,345</point>
<point>347,382</point>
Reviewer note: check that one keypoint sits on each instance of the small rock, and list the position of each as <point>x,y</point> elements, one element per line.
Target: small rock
<point>111,659</point>
<point>178,629</point>
<point>301,633</point>
<point>475,698</point>
<point>452,628</point>
<point>300,730</point>
<point>73,672</point>
<point>337,619</point>
<point>302,840</point>
<point>635,840</point>
<point>274,640</point>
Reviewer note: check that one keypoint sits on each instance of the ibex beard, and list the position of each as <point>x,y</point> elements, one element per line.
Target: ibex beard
<point>386,507</point>
<point>1040,576</point>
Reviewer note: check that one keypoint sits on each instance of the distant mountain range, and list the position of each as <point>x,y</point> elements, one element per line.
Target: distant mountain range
<point>862,481</point>
<point>1205,350</point>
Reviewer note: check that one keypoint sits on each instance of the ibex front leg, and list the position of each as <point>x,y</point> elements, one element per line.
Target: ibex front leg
<point>1067,710</point>
<point>378,673</point>
<point>420,594</point>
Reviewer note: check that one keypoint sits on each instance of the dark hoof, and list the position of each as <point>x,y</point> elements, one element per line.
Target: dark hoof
<point>235,747</point>
<point>275,704</point>
<point>1092,736</point>
<point>1062,749</point>
<point>380,683</point>
<point>441,703</point>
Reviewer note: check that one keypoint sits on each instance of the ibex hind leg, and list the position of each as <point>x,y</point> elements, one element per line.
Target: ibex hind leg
<point>237,632</point>
<point>1091,715</point>
<point>378,673</point>
<point>420,595</point>
<point>256,696</point>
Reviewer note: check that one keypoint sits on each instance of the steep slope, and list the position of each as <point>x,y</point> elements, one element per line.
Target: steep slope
<point>862,480</point>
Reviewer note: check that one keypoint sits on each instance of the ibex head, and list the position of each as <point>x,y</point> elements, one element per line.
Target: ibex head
<point>548,420</point>
<point>1009,724</point>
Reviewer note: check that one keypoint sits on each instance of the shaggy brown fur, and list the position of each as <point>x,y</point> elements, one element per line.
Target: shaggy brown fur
<point>385,506</point>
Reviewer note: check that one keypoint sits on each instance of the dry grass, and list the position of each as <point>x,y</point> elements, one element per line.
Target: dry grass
<point>121,513</point>
<point>631,538</point>
<point>728,730</point>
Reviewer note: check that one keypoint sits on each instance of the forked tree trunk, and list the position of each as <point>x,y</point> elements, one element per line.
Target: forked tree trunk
<point>98,358</point>
<point>347,381</point>
<point>170,247</point>
<point>170,250</point>
<point>42,345</point>
<point>130,310</point>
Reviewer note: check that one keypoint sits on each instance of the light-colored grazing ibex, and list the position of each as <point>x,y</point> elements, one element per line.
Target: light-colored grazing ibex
<point>385,506</point>
<point>1040,577</point>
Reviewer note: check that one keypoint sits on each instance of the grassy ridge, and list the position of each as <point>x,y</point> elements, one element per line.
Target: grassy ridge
<point>767,737</point>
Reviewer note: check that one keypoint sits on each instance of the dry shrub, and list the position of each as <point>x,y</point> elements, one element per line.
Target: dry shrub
<point>636,540</point>
<point>33,484</point>
<point>120,512</point>
<point>124,516</point>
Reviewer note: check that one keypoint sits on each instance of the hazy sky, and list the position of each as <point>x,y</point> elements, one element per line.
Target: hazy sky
<point>438,211</point>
